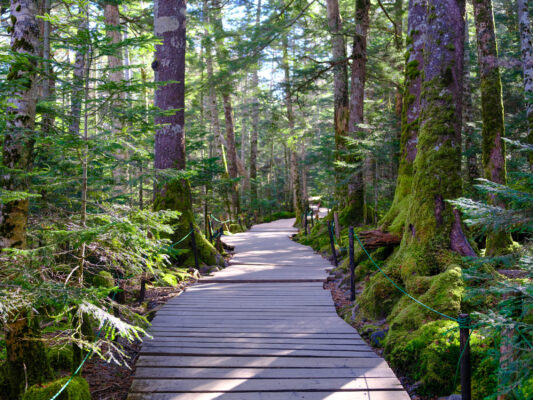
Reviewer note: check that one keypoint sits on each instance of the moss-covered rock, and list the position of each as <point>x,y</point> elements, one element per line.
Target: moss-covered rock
<point>103,279</point>
<point>60,357</point>
<point>77,389</point>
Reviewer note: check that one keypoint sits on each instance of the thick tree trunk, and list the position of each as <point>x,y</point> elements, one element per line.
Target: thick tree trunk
<point>472,170</point>
<point>395,218</point>
<point>232,154</point>
<point>255,123</point>
<point>493,154</point>
<point>26,359</point>
<point>340,94</point>
<point>354,212</point>
<point>438,160</point>
<point>526,45</point>
<point>169,65</point>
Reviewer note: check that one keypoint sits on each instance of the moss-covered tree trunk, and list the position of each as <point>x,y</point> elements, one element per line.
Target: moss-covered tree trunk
<point>472,170</point>
<point>169,65</point>
<point>493,132</point>
<point>26,359</point>
<point>394,220</point>
<point>427,263</point>
<point>340,95</point>
<point>354,211</point>
<point>526,46</point>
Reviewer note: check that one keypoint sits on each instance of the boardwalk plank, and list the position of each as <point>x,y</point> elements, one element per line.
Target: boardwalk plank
<point>262,329</point>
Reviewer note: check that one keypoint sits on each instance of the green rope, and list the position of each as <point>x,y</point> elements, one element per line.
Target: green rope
<point>182,239</point>
<point>219,221</point>
<point>400,288</point>
<point>83,361</point>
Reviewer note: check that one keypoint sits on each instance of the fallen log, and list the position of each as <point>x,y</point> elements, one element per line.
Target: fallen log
<point>375,239</point>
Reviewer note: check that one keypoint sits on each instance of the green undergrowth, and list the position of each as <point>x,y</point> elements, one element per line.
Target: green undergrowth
<point>78,389</point>
<point>279,215</point>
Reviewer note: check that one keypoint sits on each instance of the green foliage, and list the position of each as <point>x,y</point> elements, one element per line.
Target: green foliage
<point>78,389</point>
<point>278,215</point>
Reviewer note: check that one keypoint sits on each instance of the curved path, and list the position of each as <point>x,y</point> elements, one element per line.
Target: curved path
<point>262,329</point>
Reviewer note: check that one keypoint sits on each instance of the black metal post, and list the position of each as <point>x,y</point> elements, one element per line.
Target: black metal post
<point>305,221</point>
<point>193,243</point>
<point>210,229</point>
<point>312,218</point>
<point>466,389</point>
<point>333,251</point>
<point>352,265</point>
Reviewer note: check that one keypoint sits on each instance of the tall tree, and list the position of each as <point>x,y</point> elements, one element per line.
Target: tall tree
<point>526,45</point>
<point>395,218</point>
<point>26,359</point>
<point>341,108</point>
<point>493,132</point>
<point>255,121</point>
<point>296,183</point>
<point>169,65</point>
<point>355,208</point>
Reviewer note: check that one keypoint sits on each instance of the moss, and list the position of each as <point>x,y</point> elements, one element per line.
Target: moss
<point>60,357</point>
<point>235,228</point>
<point>78,389</point>
<point>412,69</point>
<point>279,215</point>
<point>379,295</point>
<point>176,195</point>
<point>103,279</point>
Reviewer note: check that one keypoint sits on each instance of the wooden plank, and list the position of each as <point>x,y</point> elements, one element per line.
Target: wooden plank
<point>261,373</point>
<point>259,362</point>
<point>255,335</point>
<point>257,340</point>
<point>151,344</point>
<point>256,352</point>
<point>264,385</point>
<point>357,395</point>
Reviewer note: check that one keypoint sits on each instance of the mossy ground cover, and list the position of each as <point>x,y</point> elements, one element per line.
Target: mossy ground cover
<point>416,341</point>
<point>78,389</point>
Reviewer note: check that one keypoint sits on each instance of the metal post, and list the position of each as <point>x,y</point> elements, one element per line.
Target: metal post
<point>352,265</point>
<point>305,221</point>
<point>333,251</point>
<point>210,229</point>
<point>193,243</point>
<point>466,389</point>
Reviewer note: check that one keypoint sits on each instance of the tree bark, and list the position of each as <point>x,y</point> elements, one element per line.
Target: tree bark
<point>232,154</point>
<point>294,158</point>
<point>438,160</point>
<point>526,46</point>
<point>340,94</point>
<point>395,218</point>
<point>77,80</point>
<point>255,122</point>
<point>493,132</point>
<point>169,65</point>
<point>26,359</point>
<point>472,171</point>
<point>354,212</point>
<point>115,62</point>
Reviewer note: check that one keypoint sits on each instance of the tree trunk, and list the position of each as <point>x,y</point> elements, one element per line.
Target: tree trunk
<point>26,359</point>
<point>77,80</point>
<point>340,94</point>
<point>255,123</point>
<point>493,154</point>
<point>232,154</point>
<point>169,65</point>
<point>472,171</point>
<point>116,75</point>
<point>526,45</point>
<point>395,218</point>
<point>354,212</point>
<point>294,158</point>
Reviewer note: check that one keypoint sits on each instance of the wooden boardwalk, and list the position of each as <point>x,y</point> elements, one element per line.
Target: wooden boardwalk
<point>262,329</point>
